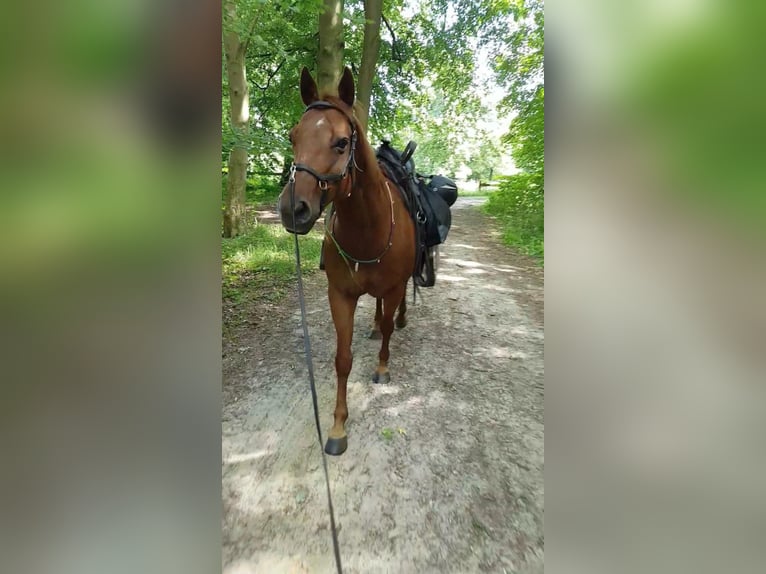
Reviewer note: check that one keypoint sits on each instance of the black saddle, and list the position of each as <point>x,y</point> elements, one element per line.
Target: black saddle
<point>428,198</point>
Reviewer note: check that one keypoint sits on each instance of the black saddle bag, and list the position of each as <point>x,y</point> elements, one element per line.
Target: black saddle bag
<point>444,186</point>
<point>438,218</point>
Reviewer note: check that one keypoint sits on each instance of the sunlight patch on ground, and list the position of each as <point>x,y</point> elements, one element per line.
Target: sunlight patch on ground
<point>464,246</point>
<point>267,216</point>
<point>463,262</point>
<point>387,389</point>
<point>505,269</point>
<point>499,352</point>
<point>476,272</point>
<point>393,411</point>
<point>415,401</point>
<point>436,400</point>
<point>412,404</point>
<point>237,458</point>
<point>497,288</point>
<point>358,395</point>
<point>452,278</point>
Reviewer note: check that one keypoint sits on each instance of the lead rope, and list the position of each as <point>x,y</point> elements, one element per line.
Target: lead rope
<point>310,364</point>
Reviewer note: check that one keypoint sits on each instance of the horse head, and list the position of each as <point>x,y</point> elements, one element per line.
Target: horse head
<point>324,142</point>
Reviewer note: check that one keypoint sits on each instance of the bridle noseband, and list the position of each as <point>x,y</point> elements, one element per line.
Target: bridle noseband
<point>324,178</point>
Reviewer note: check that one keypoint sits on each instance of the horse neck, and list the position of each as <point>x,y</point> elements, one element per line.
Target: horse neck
<point>367,208</point>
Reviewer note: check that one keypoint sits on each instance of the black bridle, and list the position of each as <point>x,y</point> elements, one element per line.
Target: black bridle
<point>323,179</point>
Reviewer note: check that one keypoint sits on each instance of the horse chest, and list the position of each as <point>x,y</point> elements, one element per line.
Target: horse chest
<point>358,280</point>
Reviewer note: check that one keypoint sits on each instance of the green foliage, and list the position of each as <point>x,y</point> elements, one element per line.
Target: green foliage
<point>527,134</point>
<point>483,162</point>
<point>424,88</point>
<point>387,433</point>
<point>518,203</point>
<point>427,87</point>
<point>262,189</point>
<point>265,257</point>
<point>283,39</point>
<point>518,63</point>
<point>693,93</point>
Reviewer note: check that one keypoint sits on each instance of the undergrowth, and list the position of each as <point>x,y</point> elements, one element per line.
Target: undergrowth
<point>519,205</point>
<point>260,265</point>
<point>259,189</point>
<point>475,193</point>
<point>262,189</point>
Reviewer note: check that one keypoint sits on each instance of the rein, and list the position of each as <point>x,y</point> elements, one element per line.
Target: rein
<point>312,384</point>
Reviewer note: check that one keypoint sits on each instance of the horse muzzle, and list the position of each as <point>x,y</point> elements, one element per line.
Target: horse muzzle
<point>299,220</point>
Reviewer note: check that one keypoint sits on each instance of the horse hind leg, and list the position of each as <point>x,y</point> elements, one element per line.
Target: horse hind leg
<point>390,302</point>
<point>401,316</point>
<point>375,333</point>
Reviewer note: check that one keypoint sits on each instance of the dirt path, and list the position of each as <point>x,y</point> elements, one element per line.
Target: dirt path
<point>444,469</point>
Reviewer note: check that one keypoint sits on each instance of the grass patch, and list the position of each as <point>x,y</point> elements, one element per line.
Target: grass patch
<point>260,265</point>
<point>483,193</point>
<point>519,205</point>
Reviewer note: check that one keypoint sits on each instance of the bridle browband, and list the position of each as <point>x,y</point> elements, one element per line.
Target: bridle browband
<point>324,178</point>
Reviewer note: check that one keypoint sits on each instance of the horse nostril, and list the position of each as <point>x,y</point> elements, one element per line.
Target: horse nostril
<point>302,211</point>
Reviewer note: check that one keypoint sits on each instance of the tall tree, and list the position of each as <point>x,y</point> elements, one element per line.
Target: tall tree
<point>373,11</point>
<point>330,57</point>
<point>421,84</point>
<point>239,100</point>
<point>519,65</point>
<point>521,69</point>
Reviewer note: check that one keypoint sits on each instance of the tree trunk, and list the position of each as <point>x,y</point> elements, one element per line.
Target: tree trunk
<point>239,97</point>
<point>330,57</point>
<point>373,10</point>
<point>236,181</point>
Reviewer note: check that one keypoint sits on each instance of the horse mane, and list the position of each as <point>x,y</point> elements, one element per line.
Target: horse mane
<point>365,154</point>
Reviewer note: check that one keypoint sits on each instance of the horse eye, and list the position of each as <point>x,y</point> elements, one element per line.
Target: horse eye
<point>341,144</point>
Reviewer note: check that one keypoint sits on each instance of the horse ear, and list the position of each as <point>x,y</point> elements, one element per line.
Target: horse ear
<point>309,92</point>
<point>346,87</point>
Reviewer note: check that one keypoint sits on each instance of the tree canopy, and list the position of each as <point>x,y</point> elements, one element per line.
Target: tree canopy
<point>425,86</point>
<point>449,74</point>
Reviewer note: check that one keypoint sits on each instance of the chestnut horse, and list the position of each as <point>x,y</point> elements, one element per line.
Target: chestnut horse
<point>369,244</point>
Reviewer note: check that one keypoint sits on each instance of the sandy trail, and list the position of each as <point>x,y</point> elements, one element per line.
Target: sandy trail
<point>444,469</point>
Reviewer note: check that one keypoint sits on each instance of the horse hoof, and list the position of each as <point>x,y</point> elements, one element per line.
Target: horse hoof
<point>376,335</point>
<point>336,446</point>
<point>379,379</point>
<point>401,323</point>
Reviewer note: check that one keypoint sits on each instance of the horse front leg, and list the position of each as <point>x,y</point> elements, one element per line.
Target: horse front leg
<point>342,308</point>
<point>391,301</point>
